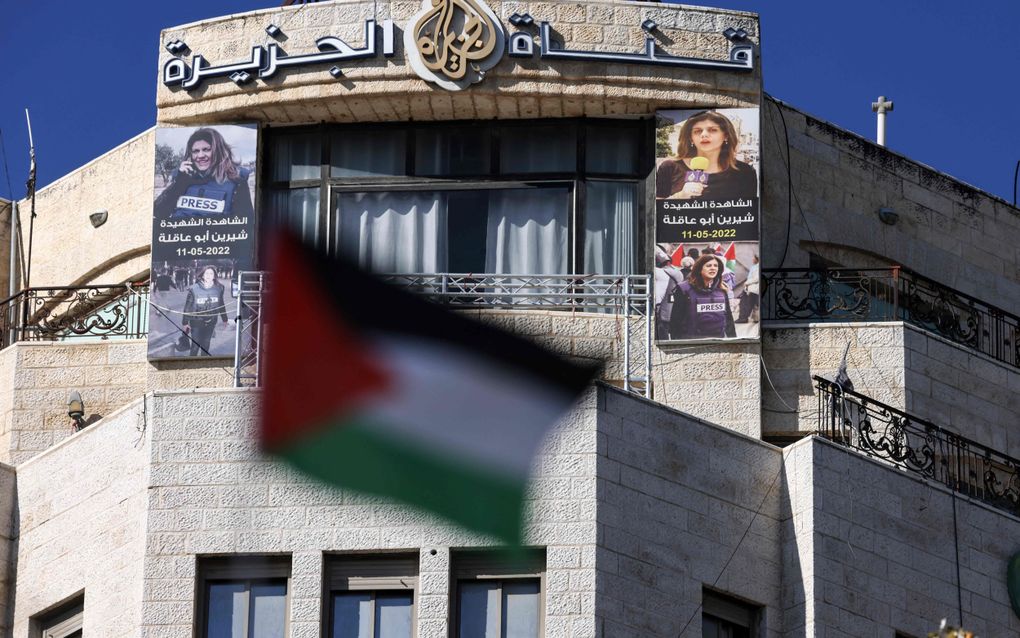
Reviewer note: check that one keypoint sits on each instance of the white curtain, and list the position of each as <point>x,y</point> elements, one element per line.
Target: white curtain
<point>527,232</point>
<point>395,232</point>
<point>298,210</point>
<point>609,233</point>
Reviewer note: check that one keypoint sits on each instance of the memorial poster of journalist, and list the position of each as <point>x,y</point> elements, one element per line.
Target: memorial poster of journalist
<point>203,233</point>
<point>706,258</point>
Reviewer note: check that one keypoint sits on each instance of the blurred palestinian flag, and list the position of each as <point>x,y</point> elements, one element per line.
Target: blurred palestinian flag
<point>372,388</point>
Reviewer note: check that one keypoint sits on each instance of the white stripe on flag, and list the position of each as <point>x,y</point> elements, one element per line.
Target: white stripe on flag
<point>468,408</point>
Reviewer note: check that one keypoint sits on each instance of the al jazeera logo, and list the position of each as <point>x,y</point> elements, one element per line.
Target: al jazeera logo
<point>454,42</point>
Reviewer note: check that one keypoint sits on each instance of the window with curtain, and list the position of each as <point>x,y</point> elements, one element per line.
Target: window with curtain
<point>496,596</point>
<point>539,197</point>
<point>370,596</point>
<point>503,231</point>
<point>243,597</point>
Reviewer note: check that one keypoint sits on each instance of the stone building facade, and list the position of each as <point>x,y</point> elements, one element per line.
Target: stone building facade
<point>728,490</point>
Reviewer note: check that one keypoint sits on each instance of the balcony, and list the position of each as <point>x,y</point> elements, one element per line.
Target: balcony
<point>81,313</point>
<point>618,307</point>
<point>917,446</point>
<point>892,294</point>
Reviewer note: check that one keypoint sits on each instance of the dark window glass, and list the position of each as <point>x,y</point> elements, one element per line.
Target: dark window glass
<point>498,608</point>
<point>246,609</point>
<point>538,149</point>
<point>452,151</point>
<point>368,153</point>
<point>295,157</point>
<point>611,149</point>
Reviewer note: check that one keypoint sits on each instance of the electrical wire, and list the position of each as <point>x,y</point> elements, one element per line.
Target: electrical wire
<point>775,479</point>
<point>7,171</point>
<point>791,409</point>
<point>789,178</point>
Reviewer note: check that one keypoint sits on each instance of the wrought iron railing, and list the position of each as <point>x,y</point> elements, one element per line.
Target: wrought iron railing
<point>79,312</point>
<point>891,294</point>
<point>918,446</point>
<point>625,296</point>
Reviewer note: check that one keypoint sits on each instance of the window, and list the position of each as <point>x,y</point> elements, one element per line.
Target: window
<point>497,596</point>
<point>725,617</point>
<point>370,596</point>
<point>243,596</point>
<point>530,197</point>
<point>63,621</point>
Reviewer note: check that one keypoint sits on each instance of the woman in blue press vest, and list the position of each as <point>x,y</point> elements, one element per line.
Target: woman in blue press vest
<point>204,304</point>
<point>701,307</point>
<point>208,182</point>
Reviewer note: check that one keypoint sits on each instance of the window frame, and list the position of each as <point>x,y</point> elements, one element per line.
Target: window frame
<point>473,565</point>
<point>251,569</point>
<point>736,611</point>
<point>372,573</point>
<point>61,620</point>
<point>642,177</point>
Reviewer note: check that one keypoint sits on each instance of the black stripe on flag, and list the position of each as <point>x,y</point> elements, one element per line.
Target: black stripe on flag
<point>372,305</point>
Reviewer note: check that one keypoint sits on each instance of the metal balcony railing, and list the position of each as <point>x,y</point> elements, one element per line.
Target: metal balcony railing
<point>891,294</point>
<point>625,296</point>
<point>917,446</point>
<point>79,312</point>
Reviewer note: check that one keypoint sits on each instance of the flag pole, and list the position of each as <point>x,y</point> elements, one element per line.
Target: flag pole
<point>30,186</point>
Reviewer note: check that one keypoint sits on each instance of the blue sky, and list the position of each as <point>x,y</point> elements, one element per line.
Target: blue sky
<point>87,72</point>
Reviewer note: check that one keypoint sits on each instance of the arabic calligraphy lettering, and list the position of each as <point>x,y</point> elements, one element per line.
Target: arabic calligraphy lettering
<point>454,42</point>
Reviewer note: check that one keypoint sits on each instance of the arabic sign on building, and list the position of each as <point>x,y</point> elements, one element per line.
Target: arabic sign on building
<point>449,42</point>
<point>707,270</point>
<point>453,42</point>
<point>203,233</point>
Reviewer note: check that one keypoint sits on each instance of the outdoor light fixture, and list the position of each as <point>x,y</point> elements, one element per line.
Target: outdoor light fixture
<point>888,216</point>
<point>76,410</point>
<point>98,218</point>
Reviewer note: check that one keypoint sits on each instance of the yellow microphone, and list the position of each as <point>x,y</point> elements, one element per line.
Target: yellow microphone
<point>697,172</point>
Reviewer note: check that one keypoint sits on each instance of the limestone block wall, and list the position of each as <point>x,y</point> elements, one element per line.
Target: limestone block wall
<point>720,383</point>
<point>947,230</point>
<point>962,390</point>
<point>8,507</point>
<point>37,377</point>
<point>885,550</point>
<point>189,374</point>
<point>798,544</point>
<point>793,353</point>
<point>383,89</point>
<point>211,492</point>
<point>67,250</point>
<point>682,504</point>
<point>80,526</point>
<point>717,382</point>
<point>897,364</point>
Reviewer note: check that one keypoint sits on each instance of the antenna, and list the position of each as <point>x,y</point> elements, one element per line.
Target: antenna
<point>30,187</point>
<point>881,107</point>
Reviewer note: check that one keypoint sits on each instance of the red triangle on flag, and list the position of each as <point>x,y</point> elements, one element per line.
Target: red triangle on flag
<point>319,368</point>
<point>678,256</point>
<point>731,252</point>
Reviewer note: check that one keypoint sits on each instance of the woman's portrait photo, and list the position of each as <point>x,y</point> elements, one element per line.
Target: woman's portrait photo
<point>708,154</point>
<point>706,291</point>
<point>203,234</point>
<point>192,309</point>
<point>205,175</point>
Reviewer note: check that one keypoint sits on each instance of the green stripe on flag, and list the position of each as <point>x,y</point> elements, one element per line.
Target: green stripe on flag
<point>353,455</point>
